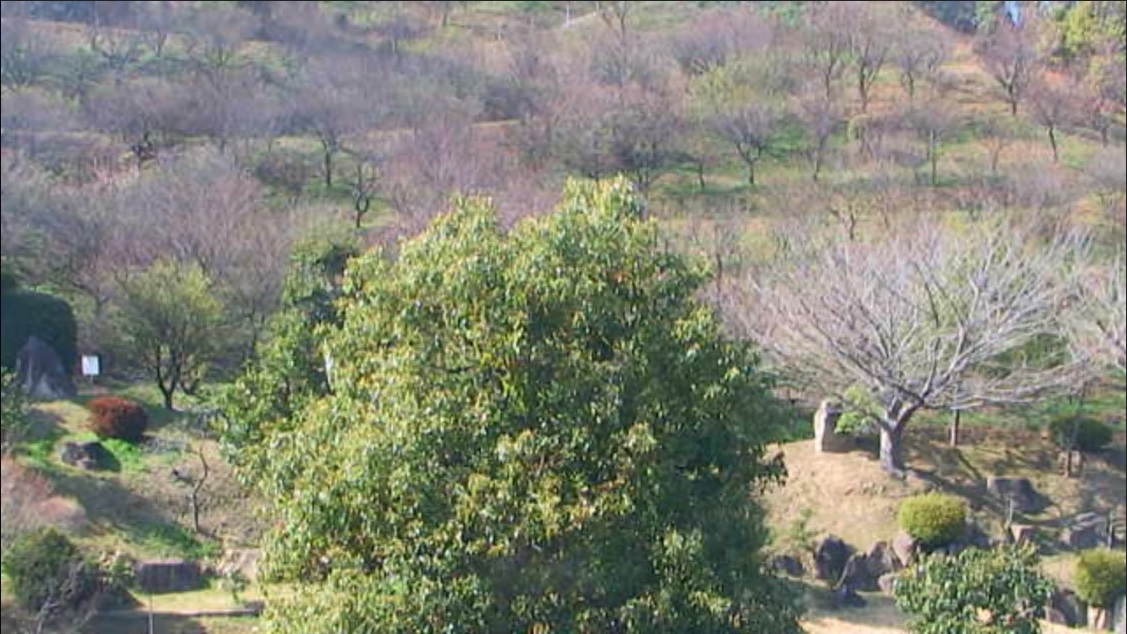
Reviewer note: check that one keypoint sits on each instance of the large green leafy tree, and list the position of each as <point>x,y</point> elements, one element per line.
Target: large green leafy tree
<point>539,430</point>
<point>998,591</point>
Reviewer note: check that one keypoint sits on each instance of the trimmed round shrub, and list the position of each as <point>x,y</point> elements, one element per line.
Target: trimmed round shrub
<point>934,519</point>
<point>1091,434</point>
<point>47,568</point>
<point>1101,576</point>
<point>116,417</point>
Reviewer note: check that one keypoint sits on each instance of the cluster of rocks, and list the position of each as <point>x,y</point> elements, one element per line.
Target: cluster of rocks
<point>849,571</point>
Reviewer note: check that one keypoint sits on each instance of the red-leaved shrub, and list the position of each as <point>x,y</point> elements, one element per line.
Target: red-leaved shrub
<point>116,417</point>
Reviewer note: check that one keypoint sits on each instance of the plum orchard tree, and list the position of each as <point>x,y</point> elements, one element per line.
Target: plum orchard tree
<point>170,318</point>
<point>925,317</point>
<point>539,430</point>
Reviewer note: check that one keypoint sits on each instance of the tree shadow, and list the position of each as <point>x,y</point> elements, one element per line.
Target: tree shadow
<point>113,508</point>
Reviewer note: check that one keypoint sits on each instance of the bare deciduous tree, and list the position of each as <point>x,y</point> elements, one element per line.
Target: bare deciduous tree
<point>995,135</point>
<point>337,101</point>
<point>23,60</point>
<point>828,45</point>
<point>870,42</point>
<point>821,118</point>
<point>932,122</point>
<point>1052,105</point>
<point>1013,61</point>
<point>925,318</point>
<point>1098,321</point>
<point>195,481</point>
<point>752,131</point>
<point>918,54</point>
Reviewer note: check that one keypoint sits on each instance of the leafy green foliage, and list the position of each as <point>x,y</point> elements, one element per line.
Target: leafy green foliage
<point>934,519</point>
<point>997,591</point>
<point>13,411</point>
<point>1080,432</point>
<point>1101,576</point>
<point>289,370</point>
<point>116,417</point>
<point>170,321</point>
<point>539,430</point>
<point>24,314</point>
<point>44,567</point>
<point>862,410</point>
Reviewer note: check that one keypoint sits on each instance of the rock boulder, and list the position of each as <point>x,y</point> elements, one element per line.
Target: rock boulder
<point>786,564</point>
<point>857,574</point>
<point>1069,606</point>
<point>830,556</point>
<point>1086,530</point>
<point>826,438</point>
<point>40,371</point>
<point>905,547</point>
<point>86,455</point>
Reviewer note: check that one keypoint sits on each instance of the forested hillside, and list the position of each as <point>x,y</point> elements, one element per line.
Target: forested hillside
<point>500,316</point>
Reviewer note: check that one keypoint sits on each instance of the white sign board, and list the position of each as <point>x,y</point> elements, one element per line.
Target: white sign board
<point>91,365</point>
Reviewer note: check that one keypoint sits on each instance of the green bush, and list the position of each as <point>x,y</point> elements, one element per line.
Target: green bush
<point>934,519</point>
<point>116,417</point>
<point>950,595</point>
<point>1091,434</point>
<point>26,313</point>
<point>1101,576</point>
<point>47,568</point>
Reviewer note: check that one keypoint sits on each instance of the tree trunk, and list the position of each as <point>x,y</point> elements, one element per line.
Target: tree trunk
<point>891,455</point>
<point>700,175</point>
<point>1053,144</point>
<point>1013,106</point>
<point>328,163</point>
<point>953,430</point>
<point>166,393</point>
<point>197,486</point>
<point>933,151</point>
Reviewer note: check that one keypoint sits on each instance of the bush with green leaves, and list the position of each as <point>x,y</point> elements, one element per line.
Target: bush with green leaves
<point>540,429</point>
<point>1101,576</point>
<point>995,591</point>
<point>117,417</point>
<point>934,519</point>
<point>14,420</point>
<point>48,571</point>
<point>1080,432</point>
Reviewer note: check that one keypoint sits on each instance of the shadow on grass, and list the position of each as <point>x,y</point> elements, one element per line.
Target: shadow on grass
<point>112,508</point>
<point>879,608</point>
